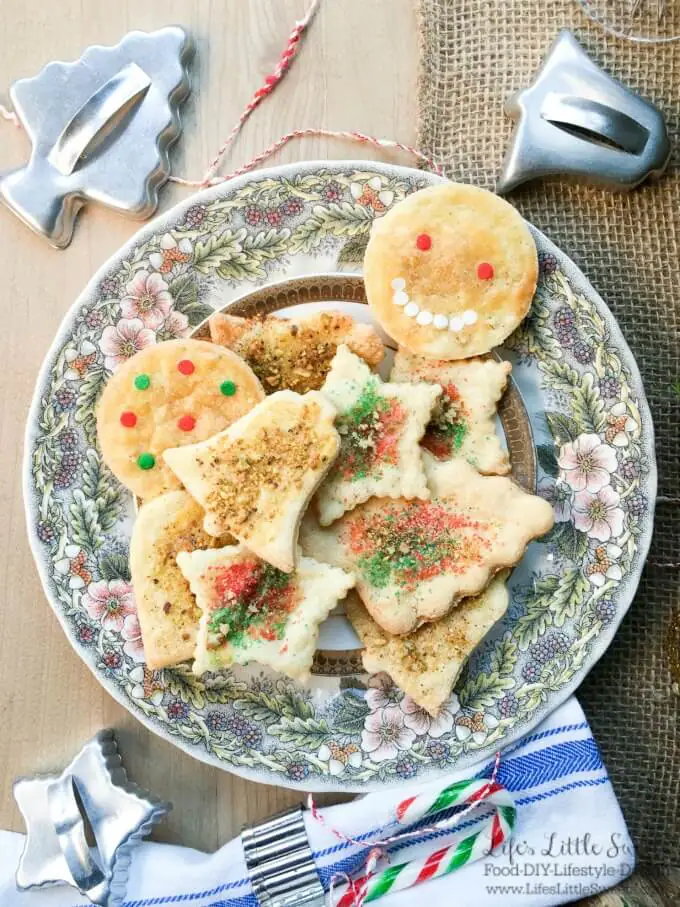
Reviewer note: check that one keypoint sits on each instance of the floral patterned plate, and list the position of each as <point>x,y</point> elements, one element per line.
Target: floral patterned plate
<point>594,449</point>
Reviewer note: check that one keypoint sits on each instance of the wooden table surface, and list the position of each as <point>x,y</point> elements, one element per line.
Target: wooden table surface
<point>357,71</point>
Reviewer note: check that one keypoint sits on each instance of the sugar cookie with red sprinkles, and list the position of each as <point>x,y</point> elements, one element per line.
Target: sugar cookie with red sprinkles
<point>450,272</point>
<point>254,613</point>
<point>168,395</point>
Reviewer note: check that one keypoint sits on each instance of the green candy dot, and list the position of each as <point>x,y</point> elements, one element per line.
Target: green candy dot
<point>146,461</point>
<point>228,388</point>
<point>142,382</point>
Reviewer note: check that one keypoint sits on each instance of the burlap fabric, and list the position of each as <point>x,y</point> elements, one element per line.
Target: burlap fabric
<point>474,54</point>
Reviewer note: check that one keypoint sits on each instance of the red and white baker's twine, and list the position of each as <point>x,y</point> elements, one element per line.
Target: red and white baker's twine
<point>283,65</point>
<point>373,885</point>
<point>10,116</point>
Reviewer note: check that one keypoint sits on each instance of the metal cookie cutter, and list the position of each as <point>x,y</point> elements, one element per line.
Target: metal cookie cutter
<point>279,861</point>
<point>93,788</point>
<point>575,119</point>
<point>101,129</point>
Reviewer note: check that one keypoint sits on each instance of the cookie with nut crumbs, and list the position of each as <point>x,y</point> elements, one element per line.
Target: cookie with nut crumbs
<point>450,271</point>
<point>255,479</point>
<point>380,428</point>
<point>172,393</point>
<point>295,352</point>
<point>166,609</point>
<point>251,611</point>
<point>414,560</point>
<point>463,418</point>
<point>426,663</point>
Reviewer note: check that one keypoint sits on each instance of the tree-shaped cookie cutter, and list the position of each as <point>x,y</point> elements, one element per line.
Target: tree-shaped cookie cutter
<point>100,129</point>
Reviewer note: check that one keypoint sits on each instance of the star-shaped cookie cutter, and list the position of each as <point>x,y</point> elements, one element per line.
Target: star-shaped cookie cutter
<point>93,789</point>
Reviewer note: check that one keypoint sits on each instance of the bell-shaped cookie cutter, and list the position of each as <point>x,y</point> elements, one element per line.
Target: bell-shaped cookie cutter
<point>575,119</point>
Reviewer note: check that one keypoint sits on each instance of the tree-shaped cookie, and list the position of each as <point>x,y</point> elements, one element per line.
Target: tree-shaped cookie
<point>255,478</point>
<point>463,418</point>
<point>380,427</point>
<point>251,611</point>
<point>426,663</point>
<point>414,560</point>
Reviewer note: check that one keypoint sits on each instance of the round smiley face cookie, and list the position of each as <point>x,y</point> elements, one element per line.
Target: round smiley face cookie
<point>174,393</point>
<point>450,271</point>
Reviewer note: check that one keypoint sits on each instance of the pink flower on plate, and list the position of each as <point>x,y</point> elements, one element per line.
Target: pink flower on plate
<point>385,734</point>
<point>421,722</point>
<point>110,602</point>
<point>176,325</point>
<point>132,634</point>
<point>587,464</point>
<point>121,341</point>
<point>382,693</point>
<point>147,297</point>
<point>599,515</point>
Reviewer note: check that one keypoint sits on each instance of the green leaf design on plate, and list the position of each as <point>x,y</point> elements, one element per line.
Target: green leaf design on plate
<point>88,395</point>
<point>349,713</point>
<point>587,407</point>
<point>303,732</point>
<point>115,566</point>
<point>218,251</point>
<point>483,690</point>
<point>549,601</point>
<point>562,427</point>
<point>569,541</point>
<point>547,458</point>
<point>86,529</point>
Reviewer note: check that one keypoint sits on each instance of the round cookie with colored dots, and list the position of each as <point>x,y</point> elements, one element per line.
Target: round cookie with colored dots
<point>173,393</point>
<point>450,271</point>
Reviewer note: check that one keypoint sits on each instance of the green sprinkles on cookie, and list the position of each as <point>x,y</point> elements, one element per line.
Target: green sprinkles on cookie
<point>369,432</point>
<point>228,388</point>
<point>257,599</point>
<point>146,461</point>
<point>142,382</point>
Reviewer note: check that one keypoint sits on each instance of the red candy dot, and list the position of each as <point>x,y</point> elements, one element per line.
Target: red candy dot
<point>484,270</point>
<point>186,423</point>
<point>424,242</point>
<point>186,367</point>
<point>128,420</point>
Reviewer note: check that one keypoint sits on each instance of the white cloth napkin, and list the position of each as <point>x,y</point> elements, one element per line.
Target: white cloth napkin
<point>570,839</point>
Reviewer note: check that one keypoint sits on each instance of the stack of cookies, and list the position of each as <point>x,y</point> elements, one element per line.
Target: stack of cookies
<point>278,471</point>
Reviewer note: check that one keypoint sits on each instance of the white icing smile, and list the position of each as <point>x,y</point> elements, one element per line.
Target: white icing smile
<point>425,317</point>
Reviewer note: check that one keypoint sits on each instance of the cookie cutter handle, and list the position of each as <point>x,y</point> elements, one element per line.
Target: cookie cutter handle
<point>99,117</point>
<point>280,864</point>
<point>69,826</point>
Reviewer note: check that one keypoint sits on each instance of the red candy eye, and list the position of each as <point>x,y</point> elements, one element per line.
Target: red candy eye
<point>186,423</point>
<point>424,242</point>
<point>128,420</point>
<point>484,271</point>
<point>186,367</point>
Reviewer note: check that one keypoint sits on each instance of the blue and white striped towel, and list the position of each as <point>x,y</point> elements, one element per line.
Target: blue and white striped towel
<point>570,840</point>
